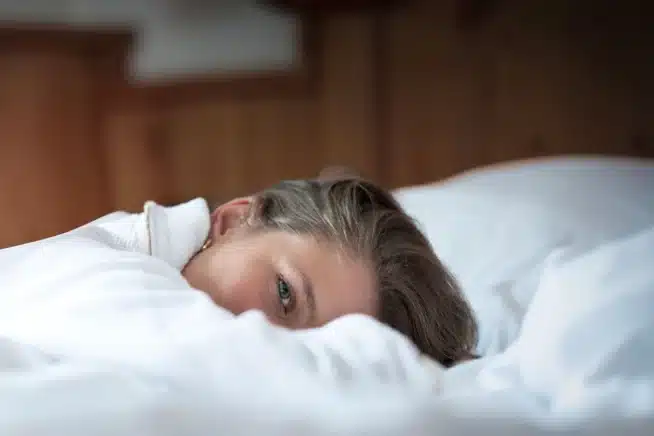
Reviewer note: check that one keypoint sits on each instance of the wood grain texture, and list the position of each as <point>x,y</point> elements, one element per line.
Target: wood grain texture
<point>531,79</point>
<point>52,171</point>
<point>403,97</point>
<point>227,147</point>
<point>347,112</point>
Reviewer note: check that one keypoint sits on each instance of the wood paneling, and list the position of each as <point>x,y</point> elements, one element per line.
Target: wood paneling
<point>347,112</point>
<point>404,97</point>
<point>52,173</point>
<point>438,90</point>
<point>136,164</point>
<point>528,79</point>
<point>235,145</point>
<point>225,149</point>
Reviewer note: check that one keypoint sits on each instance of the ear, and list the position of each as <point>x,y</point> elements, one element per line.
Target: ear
<point>337,173</point>
<point>229,216</point>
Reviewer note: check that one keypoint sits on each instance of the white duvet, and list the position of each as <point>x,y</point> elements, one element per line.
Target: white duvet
<point>99,338</point>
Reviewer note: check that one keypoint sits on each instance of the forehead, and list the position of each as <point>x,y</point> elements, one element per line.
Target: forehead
<point>342,282</point>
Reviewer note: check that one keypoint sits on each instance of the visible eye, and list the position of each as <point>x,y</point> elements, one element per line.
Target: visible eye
<point>286,295</point>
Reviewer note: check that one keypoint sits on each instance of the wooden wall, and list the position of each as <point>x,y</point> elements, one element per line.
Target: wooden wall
<point>52,167</point>
<point>521,79</point>
<point>239,142</point>
<point>405,97</point>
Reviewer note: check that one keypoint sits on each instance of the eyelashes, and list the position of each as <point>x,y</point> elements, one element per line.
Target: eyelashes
<point>286,296</point>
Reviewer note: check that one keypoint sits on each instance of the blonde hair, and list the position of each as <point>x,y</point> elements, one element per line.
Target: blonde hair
<point>417,295</point>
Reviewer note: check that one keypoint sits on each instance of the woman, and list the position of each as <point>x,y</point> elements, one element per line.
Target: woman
<point>307,252</point>
<point>303,253</point>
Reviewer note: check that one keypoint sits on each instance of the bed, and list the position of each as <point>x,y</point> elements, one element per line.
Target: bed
<point>555,256</point>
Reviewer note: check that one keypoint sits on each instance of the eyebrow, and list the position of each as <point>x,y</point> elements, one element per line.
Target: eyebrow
<point>307,287</point>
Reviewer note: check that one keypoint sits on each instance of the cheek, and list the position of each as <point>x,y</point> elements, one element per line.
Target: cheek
<point>353,290</point>
<point>242,295</point>
<point>243,285</point>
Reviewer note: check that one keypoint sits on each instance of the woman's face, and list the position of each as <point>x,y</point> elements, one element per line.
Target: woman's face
<point>295,280</point>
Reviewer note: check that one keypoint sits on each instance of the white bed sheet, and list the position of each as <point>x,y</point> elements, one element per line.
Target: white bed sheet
<point>572,387</point>
<point>138,353</point>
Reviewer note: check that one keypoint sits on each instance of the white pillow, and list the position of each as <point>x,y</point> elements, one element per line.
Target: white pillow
<point>590,324</point>
<point>600,197</point>
<point>494,226</point>
<point>494,246</point>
